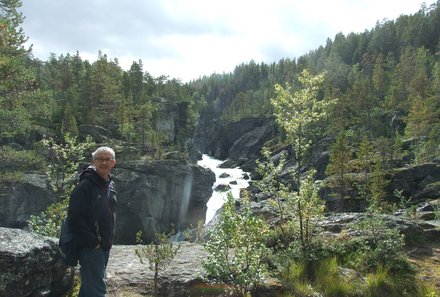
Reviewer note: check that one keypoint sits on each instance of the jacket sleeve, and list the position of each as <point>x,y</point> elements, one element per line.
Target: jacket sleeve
<point>78,213</point>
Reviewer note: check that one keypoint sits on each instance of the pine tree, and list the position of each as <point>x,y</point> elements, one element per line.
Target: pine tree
<point>16,80</point>
<point>339,165</point>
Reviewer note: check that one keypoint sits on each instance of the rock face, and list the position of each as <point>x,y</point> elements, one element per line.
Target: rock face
<point>26,198</point>
<point>160,196</point>
<point>30,265</point>
<point>419,182</point>
<point>239,141</point>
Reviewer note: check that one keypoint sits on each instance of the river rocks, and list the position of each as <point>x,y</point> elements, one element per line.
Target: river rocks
<point>30,265</point>
<point>26,197</point>
<point>160,197</point>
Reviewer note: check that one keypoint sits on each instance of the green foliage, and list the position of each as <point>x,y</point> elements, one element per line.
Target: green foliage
<point>64,160</point>
<point>380,284</point>
<point>437,212</point>
<point>299,211</point>
<point>12,159</point>
<point>236,253</point>
<point>15,163</point>
<point>159,254</point>
<point>306,209</point>
<point>296,110</point>
<point>326,281</point>
<point>382,246</point>
<point>48,223</point>
<point>379,182</point>
<point>294,278</point>
<point>22,105</point>
<point>270,185</point>
<point>340,156</point>
<point>330,281</point>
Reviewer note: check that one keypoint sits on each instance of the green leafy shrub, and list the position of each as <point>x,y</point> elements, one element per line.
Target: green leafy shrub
<point>382,246</point>
<point>48,223</point>
<point>236,253</point>
<point>64,160</point>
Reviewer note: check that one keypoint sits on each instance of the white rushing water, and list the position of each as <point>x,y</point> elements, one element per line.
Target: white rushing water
<point>218,198</point>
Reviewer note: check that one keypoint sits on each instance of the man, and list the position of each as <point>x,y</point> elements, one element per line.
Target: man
<point>91,215</point>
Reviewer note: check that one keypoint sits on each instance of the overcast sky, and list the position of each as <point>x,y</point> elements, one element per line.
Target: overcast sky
<point>186,39</point>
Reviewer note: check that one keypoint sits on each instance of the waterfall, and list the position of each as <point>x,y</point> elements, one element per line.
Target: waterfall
<point>232,177</point>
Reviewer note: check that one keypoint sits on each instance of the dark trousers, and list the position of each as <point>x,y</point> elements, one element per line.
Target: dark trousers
<point>93,264</point>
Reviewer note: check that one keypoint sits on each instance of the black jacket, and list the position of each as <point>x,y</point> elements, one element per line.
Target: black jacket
<point>91,219</point>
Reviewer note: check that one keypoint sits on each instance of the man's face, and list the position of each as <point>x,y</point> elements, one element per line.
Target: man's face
<point>103,164</point>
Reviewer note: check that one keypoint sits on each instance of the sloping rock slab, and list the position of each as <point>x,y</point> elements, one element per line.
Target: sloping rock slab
<point>126,270</point>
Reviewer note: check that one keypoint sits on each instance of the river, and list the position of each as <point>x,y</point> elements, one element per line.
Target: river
<point>232,177</point>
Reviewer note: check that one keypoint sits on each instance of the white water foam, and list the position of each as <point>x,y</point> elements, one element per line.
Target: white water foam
<point>218,198</point>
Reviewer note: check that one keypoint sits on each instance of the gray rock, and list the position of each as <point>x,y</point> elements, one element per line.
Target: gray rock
<point>153,196</point>
<point>417,182</point>
<point>30,265</point>
<point>28,197</point>
<point>125,269</point>
<point>160,197</point>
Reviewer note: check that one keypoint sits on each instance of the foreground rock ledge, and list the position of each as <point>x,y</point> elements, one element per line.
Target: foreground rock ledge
<point>125,270</point>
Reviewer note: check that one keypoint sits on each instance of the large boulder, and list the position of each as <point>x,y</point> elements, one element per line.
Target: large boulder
<point>160,197</point>
<point>26,197</point>
<point>30,265</point>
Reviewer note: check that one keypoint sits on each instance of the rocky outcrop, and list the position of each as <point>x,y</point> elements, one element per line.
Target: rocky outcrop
<point>153,196</point>
<point>239,141</point>
<point>419,182</point>
<point>30,265</point>
<point>159,196</point>
<point>25,198</point>
<point>247,148</point>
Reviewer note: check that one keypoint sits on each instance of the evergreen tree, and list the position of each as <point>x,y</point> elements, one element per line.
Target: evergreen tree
<point>340,156</point>
<point>16,80</point>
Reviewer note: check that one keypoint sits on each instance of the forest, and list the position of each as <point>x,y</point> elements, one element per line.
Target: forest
<point>381,88</point>
<point>386,80</point>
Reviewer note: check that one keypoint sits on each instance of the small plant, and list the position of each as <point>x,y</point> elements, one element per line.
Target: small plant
<point>159,254</point>
<point>235,249</point>
<point>382,246</point>
<point>405,204</point>
<point>380,284</point>
<point>294,277</point>
<point>329,280</point>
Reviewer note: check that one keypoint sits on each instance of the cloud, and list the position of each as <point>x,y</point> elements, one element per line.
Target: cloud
<point>189,38</point>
